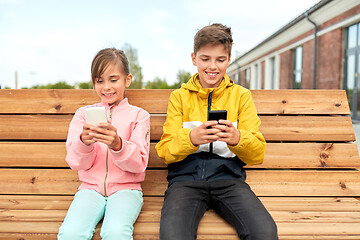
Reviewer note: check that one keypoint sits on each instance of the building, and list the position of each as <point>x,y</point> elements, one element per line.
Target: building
<point>319,49</point>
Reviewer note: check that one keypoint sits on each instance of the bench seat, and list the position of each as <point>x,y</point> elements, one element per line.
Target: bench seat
<point>309,181</point>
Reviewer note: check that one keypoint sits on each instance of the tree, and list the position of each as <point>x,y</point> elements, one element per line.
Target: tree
<point>58,85</point>
<point>182,77</point>
<point>86,85</point>
<point>135,68</point>
<point>158,83</point>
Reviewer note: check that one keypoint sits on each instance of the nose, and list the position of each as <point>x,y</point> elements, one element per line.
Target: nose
<point>107,85</point>
<point>212,65</point>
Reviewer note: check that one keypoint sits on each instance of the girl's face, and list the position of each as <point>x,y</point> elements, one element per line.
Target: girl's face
<point>110,87</point>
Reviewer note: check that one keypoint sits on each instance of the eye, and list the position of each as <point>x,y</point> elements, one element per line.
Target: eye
<point>204,59</point>
<point>98,80</point>
<point>113,80</point>
<point>221,60</point>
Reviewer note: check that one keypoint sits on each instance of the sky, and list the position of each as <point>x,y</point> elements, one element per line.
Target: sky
<point>47,41</point>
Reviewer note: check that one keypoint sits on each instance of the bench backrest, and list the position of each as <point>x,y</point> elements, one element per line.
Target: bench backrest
<point>310,149</point>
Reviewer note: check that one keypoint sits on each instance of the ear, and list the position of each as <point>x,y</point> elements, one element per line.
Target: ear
<point>229,60</point>
<point>128,80</point>
<point>193,58</point>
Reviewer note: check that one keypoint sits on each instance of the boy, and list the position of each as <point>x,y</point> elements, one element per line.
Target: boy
<point>206,158</point>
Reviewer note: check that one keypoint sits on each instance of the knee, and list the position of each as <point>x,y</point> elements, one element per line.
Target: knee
<point>266,232</point>
<point>69,232</point>
<point>166,232</point>
<point>124,231</point>
<point>175,232</point>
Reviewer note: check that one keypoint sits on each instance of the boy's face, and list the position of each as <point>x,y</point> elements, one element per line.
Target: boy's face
<point>212,62</point>
<point>111,85</point>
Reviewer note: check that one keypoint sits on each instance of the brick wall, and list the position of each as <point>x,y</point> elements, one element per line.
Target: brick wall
<point>330,54</point>
<point>285,70</point>
<point>328,63</point>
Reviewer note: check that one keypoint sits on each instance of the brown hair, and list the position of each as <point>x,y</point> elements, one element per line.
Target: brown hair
<point>214,34</point>
<point>106,56</point>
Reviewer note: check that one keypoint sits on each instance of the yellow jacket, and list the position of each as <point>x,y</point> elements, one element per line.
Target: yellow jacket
<point>187,109</point>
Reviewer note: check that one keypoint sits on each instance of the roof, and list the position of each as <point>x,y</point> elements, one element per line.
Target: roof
<point>287,26</point>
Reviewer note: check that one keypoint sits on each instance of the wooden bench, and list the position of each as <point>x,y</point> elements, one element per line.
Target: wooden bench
<point>309,181</point>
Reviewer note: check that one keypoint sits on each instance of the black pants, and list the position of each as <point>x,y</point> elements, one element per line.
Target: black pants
<point>186,202</point>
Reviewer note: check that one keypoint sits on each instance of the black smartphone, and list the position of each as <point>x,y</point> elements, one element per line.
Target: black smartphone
<point>217,115</point>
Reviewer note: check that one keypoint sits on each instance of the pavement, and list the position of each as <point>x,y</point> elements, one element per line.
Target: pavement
<point>357,133</point>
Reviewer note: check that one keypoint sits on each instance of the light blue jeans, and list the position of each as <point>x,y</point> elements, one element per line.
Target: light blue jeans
<point>120,212</point>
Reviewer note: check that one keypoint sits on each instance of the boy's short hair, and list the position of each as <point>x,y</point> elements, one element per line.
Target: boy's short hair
<point>214,34</point>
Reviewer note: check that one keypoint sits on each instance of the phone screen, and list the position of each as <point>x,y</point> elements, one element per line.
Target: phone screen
<point>217,115</point>
<point>95,115</point>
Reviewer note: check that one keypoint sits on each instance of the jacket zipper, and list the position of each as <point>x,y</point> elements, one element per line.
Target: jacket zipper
<point>107,169</point>
<point>209,109</point>
<point>107,161</point>
<point>210,145</point>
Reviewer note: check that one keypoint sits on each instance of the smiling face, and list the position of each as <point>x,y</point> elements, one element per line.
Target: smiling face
<point>211,62</point>
<point>110,86</point>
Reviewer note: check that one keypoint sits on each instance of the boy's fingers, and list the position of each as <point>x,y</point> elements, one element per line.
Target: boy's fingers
<point>209,123</point>
<point>225,122</point>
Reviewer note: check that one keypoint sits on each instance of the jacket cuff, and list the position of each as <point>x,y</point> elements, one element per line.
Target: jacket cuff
<point>82,147</point>
<point>121,149</point>
<point>239,144</point>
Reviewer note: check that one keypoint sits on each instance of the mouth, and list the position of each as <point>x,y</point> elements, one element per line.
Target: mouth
<point>212,74</point>
<point>108,94</point>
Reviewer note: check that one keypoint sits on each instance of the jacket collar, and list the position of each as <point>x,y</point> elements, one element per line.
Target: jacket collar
<point>194,85</point>
<point>121,104</point>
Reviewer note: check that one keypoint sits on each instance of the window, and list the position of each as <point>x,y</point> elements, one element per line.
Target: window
<point>272,73</point>
<point>296,79</point>
<point>247,78</point>
<point>352,69</point>
<point>236,78</point>
<point>256,76</point>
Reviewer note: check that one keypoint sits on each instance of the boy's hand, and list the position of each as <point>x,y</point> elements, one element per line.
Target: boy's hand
<point>203,134</point>
<point>104,133</point>
<point>227,132</point>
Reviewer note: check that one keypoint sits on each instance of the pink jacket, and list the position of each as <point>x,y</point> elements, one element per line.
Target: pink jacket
<point>102,169</point>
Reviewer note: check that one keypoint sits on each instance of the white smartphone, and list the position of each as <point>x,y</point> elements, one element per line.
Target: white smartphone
<point>95,115</point>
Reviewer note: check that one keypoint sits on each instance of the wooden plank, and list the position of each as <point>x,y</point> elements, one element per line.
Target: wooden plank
<point>32,154</point>
<point>210,216</point>
<point>306,128</point>
<point>263,183</point>
<point>274,128</point>
<point>27,236</point>
<point>66,101</point>
<point>155,101</point>
<point>311,155</point>
<point>306,101</point>
<point>278,155</point>
<point>37,127</point>
<point>293,204</point>
<point>51,127</point>
<point>342,230</point>
<point>304,212</point>
<point>151,212</point>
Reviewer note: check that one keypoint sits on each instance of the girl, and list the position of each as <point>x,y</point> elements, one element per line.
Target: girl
<point>111,158</point>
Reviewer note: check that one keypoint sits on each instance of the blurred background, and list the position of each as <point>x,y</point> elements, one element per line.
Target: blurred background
<point>51,43</point>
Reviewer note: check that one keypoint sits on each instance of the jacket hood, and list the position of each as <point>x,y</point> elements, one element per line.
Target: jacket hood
<point>194,85</point>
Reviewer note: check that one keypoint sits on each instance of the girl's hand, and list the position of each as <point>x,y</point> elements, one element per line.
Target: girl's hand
<point>85,134</point>
<point>106,133</point>
<point>227,132</point>
<point>205,133</point>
